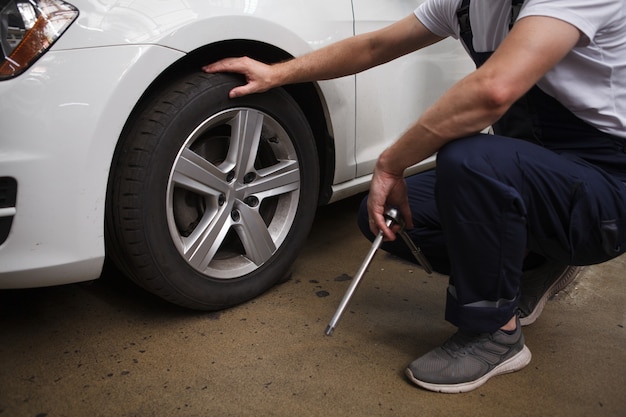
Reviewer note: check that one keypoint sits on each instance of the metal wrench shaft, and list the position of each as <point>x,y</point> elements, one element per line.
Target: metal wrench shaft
<point>357,278</point>
<point>391,216</point>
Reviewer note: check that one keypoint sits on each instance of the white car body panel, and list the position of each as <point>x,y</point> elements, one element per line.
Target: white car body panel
<point>61,119</point>
<point>405,87</point>
<point>57,234</point>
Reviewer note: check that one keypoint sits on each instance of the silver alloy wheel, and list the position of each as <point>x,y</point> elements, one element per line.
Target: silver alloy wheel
<point>210,198</point>
<point>233,193</point>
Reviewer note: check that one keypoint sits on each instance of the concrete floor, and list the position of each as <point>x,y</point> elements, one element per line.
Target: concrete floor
<point>108,349</point>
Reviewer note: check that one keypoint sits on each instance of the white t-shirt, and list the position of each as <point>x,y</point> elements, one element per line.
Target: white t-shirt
<point>590,81</point>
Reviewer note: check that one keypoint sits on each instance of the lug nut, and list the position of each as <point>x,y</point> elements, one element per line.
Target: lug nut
<point>251,201</point>
<point>235,215</point>
<point>249,177</point>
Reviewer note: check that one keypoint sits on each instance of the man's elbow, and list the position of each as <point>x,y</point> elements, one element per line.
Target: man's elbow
<point>499,97</point>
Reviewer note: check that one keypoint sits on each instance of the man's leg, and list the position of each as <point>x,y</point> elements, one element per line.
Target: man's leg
<point>498,197</point>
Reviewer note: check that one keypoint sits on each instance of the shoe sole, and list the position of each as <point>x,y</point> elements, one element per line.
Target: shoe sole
<point>515,363</point>
<point>566,278</point>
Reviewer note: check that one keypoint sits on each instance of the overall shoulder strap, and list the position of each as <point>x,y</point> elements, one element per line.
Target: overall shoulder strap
<point>516,6</point>
<point>463,17</point>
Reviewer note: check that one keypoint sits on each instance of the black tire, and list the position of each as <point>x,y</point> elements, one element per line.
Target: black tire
<point>194,217</point>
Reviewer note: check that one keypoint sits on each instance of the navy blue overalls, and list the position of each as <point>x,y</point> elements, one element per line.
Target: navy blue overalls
<point>545,182</point>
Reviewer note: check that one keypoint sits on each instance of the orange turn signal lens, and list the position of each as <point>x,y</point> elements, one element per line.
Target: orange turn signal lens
<point>24,41</point>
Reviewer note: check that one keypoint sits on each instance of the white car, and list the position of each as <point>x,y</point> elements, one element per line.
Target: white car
<point>114,143</point>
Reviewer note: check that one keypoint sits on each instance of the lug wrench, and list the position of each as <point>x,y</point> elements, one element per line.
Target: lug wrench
<point>391,216</point>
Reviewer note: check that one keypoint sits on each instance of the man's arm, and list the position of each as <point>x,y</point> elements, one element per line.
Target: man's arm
<point>534,46</point>
<point>346,57</point>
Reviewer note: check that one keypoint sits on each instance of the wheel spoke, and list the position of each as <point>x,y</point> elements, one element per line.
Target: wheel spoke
<point>246,134</point>
<point>195,173</point>
<point>278,179</point>
<point>204,242</point>
<point>254,235</point>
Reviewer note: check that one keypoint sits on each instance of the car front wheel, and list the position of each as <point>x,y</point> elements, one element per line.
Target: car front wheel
<point>211,198</point>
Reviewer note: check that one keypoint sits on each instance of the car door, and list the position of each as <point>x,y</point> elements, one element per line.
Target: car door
<point>391,97</point>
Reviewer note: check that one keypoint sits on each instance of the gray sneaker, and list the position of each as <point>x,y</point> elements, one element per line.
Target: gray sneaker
<point>466,361</point>
<point>541,283</point>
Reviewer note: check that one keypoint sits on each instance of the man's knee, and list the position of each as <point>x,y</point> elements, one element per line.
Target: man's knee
<point>479,160</point>
<point>474,153</point>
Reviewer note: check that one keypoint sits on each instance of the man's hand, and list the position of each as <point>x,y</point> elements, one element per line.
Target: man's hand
<point>387,190</point>
<point>258,75</point>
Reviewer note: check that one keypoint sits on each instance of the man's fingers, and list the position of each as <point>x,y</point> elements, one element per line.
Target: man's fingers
<point>378,223</point>
<point>255,73</point>
<point>224,65</point>
<point>240,91</point>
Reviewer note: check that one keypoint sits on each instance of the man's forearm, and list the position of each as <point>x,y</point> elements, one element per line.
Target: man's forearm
<point>358,53</point>
<point>349,56</point>
<point>345,57</point>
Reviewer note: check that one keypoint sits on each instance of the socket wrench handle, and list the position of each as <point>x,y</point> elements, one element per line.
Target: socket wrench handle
<point>394,215</point>
<point>357,278</point>
<point>417,252</point>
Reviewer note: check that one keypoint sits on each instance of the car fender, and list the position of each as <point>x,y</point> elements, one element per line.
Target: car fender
<point>60,154</point>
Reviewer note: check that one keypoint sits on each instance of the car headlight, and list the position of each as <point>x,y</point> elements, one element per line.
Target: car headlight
<point>28,28</point>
